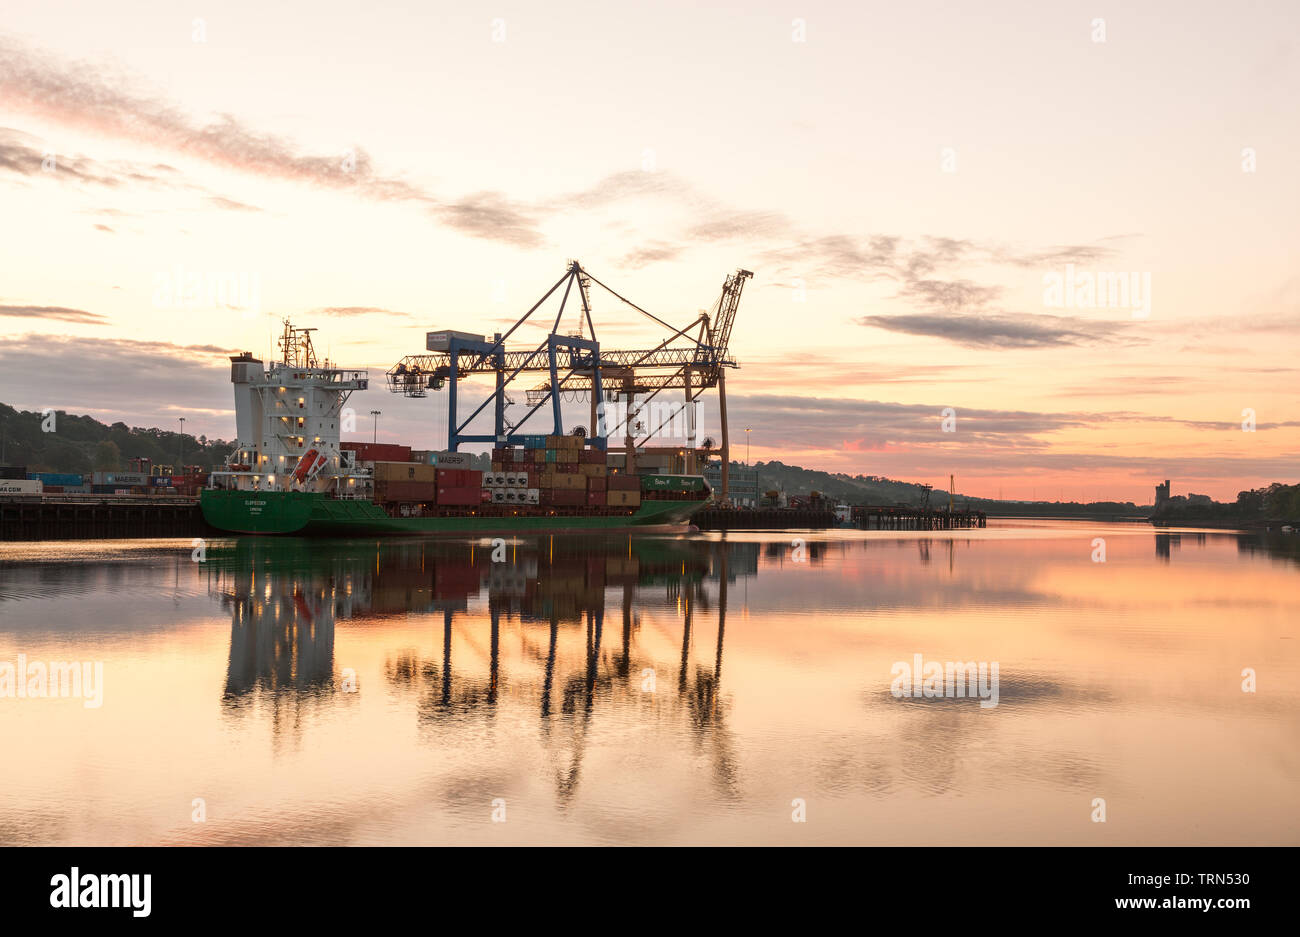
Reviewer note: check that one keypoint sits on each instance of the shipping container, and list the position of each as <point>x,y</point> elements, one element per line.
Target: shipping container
<point>121,479</point>
<point>569,481</point>
<point>13,472</point>
<point>623,483</point>
<point>459,496</point>
<point>566,497</point>
<point>448,459</point>
<point>378,452</point>
<point>405,471</point>
<point>596,482</point>
<point>596,499</point>
<point>387,491</point>
<point>55,478</point>
<point>21,486</point>
<point>623,498</point>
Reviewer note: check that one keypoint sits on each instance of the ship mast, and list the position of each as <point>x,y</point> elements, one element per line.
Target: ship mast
<point>297,347</point>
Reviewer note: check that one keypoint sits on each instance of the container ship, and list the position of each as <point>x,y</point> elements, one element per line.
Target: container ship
<point>290,473</point>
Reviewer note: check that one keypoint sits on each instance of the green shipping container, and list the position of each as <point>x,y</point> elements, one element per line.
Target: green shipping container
<point>552,456</point>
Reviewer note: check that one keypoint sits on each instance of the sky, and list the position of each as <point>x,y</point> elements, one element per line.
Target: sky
<point>923,192</point>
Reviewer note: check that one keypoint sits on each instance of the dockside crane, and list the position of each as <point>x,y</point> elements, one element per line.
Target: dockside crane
<point>692,358</point>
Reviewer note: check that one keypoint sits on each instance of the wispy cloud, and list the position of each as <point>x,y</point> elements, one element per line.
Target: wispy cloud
<point>229,204</point>
<point>54,314</point>
<point>1001,330</point>
<point>352,311</point>
<point>97,102</point>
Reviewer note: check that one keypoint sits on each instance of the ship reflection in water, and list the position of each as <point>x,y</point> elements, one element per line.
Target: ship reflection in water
<point>660,690</point>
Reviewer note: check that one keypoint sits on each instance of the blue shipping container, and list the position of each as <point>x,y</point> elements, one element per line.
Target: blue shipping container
<point>55,478</point>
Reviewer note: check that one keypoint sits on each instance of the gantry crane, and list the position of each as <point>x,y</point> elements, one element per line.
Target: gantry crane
<point>692,358</point>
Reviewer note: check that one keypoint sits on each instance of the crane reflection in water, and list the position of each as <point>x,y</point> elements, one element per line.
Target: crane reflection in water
<point>571,611</point>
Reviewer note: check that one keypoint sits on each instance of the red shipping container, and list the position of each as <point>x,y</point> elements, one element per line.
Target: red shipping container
<point>466,497</point>
<point>596,483</point>
<point>450,478</point>
<point>623,483</point>
<point>471,478</point>
<point>594,456</point>
<point>568,497</point>
<point>485,495</point>
<point>596,499</point>
<point>378,452</point>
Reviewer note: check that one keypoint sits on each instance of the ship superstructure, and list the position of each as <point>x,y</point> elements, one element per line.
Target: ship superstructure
<point>288,421</point>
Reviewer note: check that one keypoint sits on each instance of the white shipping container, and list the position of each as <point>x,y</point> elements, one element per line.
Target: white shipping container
<point>531,495</point>
<point>21,486</point>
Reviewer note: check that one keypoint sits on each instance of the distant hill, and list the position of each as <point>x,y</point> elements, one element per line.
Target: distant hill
<point>851,489</point>
<point>83,444</point>
<point>877,490</point>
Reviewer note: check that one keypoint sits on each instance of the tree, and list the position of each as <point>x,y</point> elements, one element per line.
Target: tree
<point>108,458</point>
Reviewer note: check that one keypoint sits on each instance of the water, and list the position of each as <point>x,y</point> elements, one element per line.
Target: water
<point>668,690</point>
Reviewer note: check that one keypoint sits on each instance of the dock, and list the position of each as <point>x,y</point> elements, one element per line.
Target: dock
<point>896,518</point>
<point>104,517</point>
<point>763,519</point>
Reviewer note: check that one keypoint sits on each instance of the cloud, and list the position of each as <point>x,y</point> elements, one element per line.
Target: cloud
<point>22,154</point>
<point>1001,331</point>
<point>349,311</point>
<point>95,101</point>
<point>56,313</point>
<point>493,216</point>
<point>229,204</point>
<point>653,252</point>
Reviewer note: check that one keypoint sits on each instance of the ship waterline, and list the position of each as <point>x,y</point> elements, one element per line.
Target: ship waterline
<point>318,514</point>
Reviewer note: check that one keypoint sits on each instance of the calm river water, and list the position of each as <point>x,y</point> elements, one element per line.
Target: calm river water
<point>706,689</point>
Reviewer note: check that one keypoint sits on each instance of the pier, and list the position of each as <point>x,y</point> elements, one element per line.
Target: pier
<point>862,518</point>
<point>763,519</point>
<point>82,517</point>
<point>882,518</point>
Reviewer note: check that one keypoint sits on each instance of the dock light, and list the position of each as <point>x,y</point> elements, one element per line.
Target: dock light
<point>270,479</point>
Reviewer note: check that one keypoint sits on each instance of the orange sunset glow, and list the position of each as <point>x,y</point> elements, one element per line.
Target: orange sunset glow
<point>1082,244</point>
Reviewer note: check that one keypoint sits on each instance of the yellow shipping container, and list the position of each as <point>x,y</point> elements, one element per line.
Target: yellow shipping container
<point>623,499</point>
<point>405,472</point>
<point>569,480</point>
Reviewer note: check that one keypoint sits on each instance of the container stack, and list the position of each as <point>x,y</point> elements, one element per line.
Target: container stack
<point>560,472</point>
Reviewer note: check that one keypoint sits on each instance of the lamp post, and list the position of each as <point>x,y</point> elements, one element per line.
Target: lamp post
<point>375,414</point>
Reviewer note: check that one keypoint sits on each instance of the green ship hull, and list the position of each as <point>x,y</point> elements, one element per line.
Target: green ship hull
<point>310,514</point>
